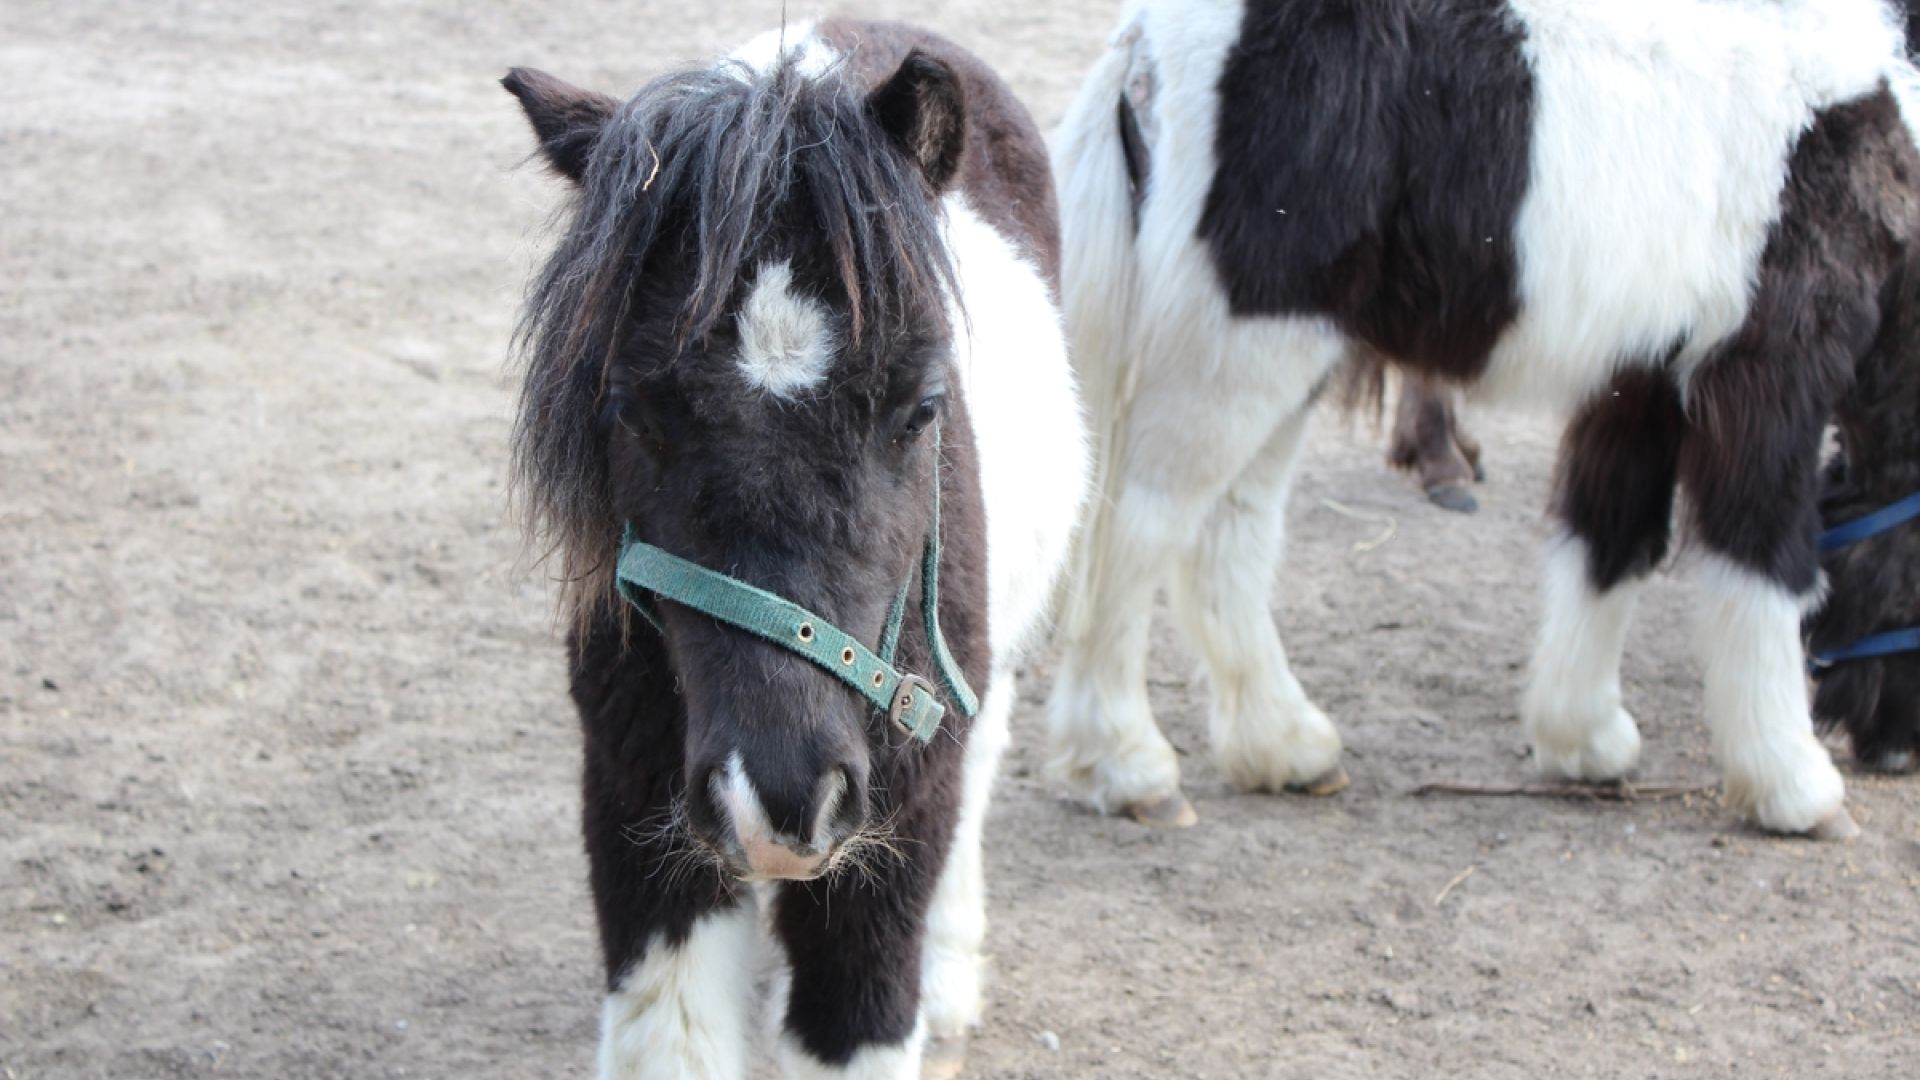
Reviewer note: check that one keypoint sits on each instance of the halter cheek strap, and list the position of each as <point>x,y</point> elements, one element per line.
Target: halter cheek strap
<point>1893,642</point>
<point>646,572</point>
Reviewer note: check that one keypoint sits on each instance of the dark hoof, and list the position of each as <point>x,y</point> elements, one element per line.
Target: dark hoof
<point>1453,497</point>
<point>1893,762</point>
<point>1479,473</point>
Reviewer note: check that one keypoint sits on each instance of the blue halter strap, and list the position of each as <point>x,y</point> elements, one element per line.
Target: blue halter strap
<point>1861,528</point>
<point>1893,642</point>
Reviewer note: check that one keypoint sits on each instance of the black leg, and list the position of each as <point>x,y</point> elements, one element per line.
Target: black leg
<point>854,941</point>
<point>648,875</point>
<point>1614,488</point>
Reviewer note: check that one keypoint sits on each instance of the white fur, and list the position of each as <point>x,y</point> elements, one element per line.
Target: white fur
<point>763,50</point>
<point>1749,643</point>
<point>1645,111</point>
<point>953,960</point>
<point>1180,409</point>
<point>1265,734</point>
<point>1033,456</point>
<point>1571,708</point>
<point>1011,354</point>
<point>681,1012</point>
<point>786,341</point>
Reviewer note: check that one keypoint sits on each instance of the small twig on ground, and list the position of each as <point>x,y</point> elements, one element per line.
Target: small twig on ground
<point>1584,792</point>
<point>1364,546</point>
<point>1457,879</point>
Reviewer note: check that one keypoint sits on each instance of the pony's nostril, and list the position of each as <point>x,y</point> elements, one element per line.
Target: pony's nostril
<point>703,805</point>
<point>848,810</point>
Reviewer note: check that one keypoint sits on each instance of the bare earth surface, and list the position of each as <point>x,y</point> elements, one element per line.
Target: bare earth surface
<point>287,774</point>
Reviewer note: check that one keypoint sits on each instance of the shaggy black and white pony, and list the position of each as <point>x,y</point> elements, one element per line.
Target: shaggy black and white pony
<point>795,288</point>
<point>1692,222</point>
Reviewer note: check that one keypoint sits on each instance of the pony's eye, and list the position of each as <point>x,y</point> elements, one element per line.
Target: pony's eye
<point>922,417</point>
<point>640,422</point>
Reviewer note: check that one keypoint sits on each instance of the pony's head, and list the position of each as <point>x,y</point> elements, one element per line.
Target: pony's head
<point>741,349</point>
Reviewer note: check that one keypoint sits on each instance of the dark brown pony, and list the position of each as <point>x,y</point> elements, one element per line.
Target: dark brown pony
<point>801,299</point>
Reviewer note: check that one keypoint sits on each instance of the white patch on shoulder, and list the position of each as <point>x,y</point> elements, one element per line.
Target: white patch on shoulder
<point>786,341</point>
<point>760,52</point>
<point>1011,355</point>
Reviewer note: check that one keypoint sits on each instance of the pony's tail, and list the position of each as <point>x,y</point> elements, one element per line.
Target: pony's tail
<point>1100,282</point>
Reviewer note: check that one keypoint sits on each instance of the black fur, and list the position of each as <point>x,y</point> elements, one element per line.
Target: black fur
<point>1760,405</point>
<point>1133,144</point>
<point>924,109</point>
<point>1874,586</point>
<point>1616,474</point>
<point>1372,161</point>
<point>634,410</point>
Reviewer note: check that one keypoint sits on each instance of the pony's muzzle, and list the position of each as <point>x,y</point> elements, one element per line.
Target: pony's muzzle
<point>773,831</point>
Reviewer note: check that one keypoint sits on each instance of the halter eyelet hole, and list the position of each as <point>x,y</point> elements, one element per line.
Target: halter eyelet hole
<point>805,633</point>
<point>846,655</point>
<point>879,680</point>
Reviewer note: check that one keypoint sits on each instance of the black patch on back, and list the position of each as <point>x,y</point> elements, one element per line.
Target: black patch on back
<point>1372,159</point>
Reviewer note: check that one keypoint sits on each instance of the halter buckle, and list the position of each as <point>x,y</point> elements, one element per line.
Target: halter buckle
<point>903,700</point>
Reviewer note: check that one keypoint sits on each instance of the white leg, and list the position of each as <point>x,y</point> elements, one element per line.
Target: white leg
<point>954,956</point>
<point>1266,735</point>
<point>1749,641</point>
<point>682,1011</point>
<point>1571,708</point>
<point>900,1062</point>
<point>1102,743</point>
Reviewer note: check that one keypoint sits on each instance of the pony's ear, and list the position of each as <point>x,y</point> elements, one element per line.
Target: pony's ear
<point>566,118</point>
<point>924,110</point>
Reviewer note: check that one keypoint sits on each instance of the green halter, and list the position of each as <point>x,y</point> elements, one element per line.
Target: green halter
<point>908,700</point>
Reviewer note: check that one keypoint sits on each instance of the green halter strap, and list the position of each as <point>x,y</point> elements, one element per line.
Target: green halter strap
<point>908,700</point>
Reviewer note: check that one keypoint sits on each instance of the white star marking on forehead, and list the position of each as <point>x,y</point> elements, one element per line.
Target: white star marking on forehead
<point>786,343</point>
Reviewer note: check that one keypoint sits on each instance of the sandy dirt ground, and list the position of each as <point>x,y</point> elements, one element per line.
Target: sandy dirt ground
<point>287,773</point>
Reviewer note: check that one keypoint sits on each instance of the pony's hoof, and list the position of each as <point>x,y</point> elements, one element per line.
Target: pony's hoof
<point>1479,473</point>
<point>1332,782</point>
<point>1453,497</point>
<point>1838,825</point>
<point>1894,762</point>
<point>1171,811</point>
<point>944,1058</point>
